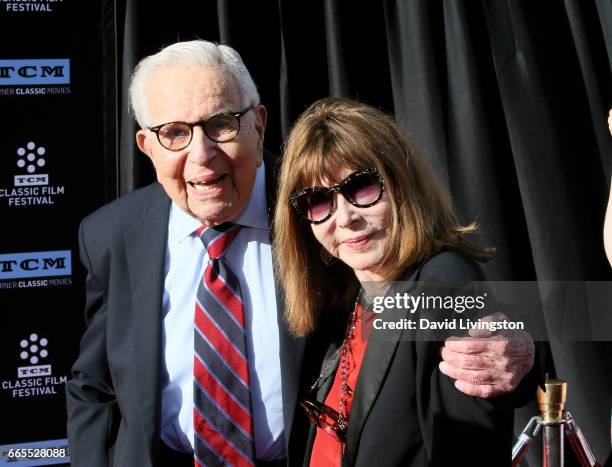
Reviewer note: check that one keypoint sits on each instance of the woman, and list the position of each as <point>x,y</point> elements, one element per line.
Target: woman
<point>363,209</point>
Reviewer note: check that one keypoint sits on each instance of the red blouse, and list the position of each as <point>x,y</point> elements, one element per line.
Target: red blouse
<point>327,450</point>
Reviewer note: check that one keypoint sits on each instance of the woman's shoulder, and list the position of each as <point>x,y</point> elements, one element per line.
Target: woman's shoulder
<point>446,266</point>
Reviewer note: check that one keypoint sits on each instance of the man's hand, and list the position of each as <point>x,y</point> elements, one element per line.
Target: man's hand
<point>486,365</point>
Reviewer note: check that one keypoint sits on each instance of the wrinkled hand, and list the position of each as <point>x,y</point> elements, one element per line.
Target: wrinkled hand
<point>487,365</point>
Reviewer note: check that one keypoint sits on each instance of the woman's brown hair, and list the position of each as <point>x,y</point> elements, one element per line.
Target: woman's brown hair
<point>336,133</point>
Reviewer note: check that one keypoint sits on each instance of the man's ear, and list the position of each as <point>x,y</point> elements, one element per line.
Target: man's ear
<point>261,117</point>
<point>143,141</point>
<point>260,123</point>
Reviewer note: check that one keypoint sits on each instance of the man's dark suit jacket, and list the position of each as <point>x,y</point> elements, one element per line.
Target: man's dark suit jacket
<point>114,398</point>
<point>405,412</point>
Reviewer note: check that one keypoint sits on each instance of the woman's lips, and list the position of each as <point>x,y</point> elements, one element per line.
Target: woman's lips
<point>357,243</point>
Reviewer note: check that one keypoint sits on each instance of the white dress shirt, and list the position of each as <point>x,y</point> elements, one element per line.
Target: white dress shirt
<point>250,258</point>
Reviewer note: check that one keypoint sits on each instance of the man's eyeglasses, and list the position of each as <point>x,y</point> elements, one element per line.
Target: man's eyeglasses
<point>220,128</point>
<point>362,188</point>
<point>325,418</point>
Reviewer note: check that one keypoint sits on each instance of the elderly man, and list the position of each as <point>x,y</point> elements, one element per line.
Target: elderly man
<point>186,352</point>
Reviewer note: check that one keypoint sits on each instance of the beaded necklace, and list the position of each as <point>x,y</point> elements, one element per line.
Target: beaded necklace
<point>343,352</point>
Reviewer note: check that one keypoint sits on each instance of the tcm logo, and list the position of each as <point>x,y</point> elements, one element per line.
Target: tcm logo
<point>31,157</point>
<point>35,71</point>
<point>35,264</point>
<point>32,371</point>
<point>33,349</point>
<point>31,180</point>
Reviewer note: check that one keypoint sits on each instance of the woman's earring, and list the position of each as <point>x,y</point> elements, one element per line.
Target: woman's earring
<point>327,257</point>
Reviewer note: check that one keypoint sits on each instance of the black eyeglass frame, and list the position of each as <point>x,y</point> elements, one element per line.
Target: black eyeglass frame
<point>202,124</point>
<point>294,198</point>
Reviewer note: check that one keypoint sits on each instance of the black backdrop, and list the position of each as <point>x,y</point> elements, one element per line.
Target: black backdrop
<point>51,123</point>
<point>508,99</point>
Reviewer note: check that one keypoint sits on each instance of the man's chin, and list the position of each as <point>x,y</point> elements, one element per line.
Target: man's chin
<point>211,215</point>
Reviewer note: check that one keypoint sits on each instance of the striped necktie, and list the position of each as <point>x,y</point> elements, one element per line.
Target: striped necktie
<point>223,421</point>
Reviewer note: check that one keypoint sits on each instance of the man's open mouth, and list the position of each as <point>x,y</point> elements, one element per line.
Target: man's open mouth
<point>208,185</point>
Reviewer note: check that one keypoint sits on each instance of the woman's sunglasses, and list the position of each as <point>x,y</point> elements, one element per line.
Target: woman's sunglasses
<point>325,418</point>
<point>362,189</point>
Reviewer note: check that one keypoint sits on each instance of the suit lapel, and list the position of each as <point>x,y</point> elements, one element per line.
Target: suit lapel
<point>382,345</point>
<point>291,351</point>
<point>379,353</point>
<point>291,348</point>
<point>145,247</point>
<point>332,359</point>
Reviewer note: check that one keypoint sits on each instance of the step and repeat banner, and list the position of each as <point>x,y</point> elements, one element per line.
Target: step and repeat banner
<point>51,175</point>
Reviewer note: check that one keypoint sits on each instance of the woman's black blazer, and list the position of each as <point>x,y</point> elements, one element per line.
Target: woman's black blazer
<point>405,411</point>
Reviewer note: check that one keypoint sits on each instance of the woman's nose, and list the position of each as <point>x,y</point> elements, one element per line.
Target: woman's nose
<point>345,213</point>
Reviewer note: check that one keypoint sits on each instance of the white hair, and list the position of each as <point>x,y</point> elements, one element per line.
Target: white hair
<point>199,52</point>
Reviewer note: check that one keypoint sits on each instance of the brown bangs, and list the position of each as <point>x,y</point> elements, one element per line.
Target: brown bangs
<point>330,147</point>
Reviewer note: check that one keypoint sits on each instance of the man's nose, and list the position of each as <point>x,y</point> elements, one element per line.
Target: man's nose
<point>346,213</point>
<point>201,149</point>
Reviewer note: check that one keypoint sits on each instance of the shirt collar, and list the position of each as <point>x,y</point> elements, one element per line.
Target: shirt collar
<point>181,225</point>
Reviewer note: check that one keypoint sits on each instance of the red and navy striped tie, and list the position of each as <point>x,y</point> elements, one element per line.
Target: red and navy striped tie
<point>222,414</point>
